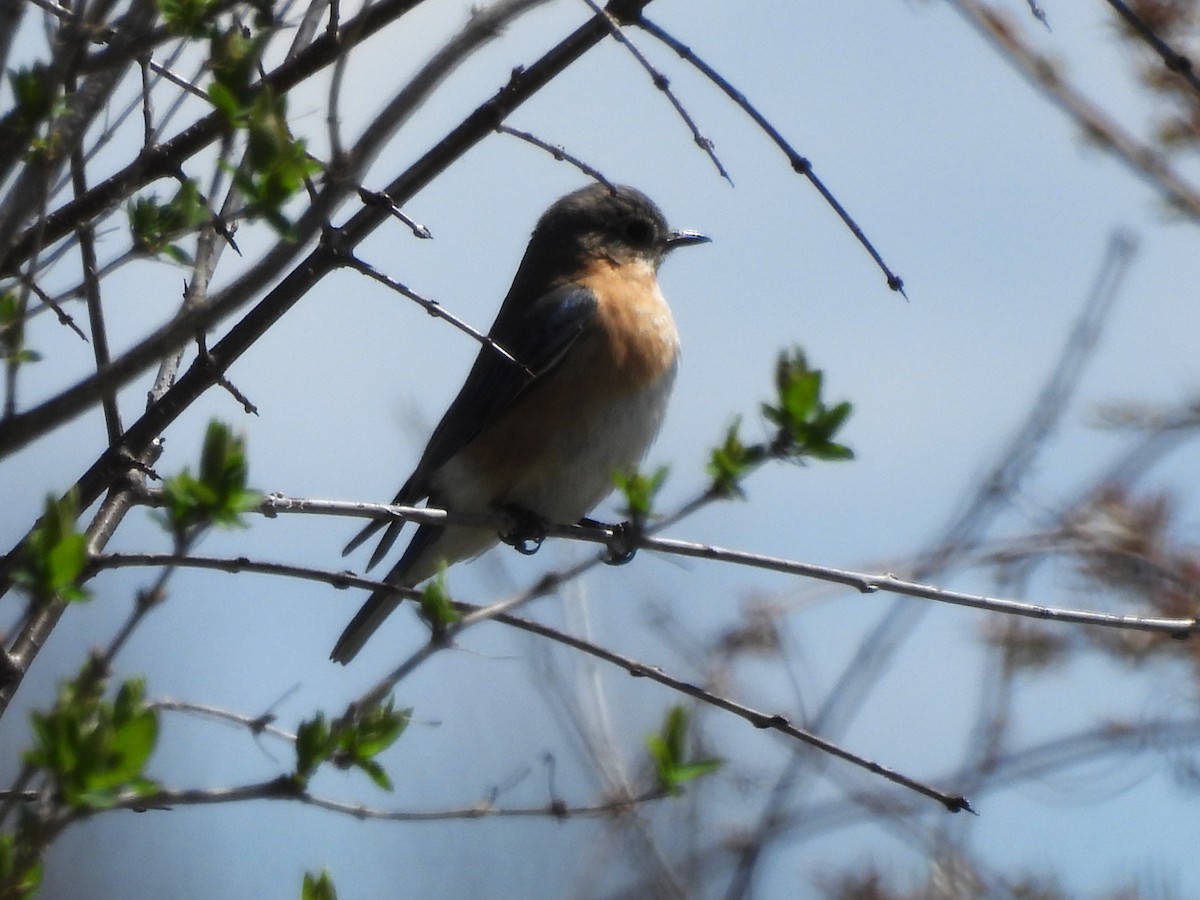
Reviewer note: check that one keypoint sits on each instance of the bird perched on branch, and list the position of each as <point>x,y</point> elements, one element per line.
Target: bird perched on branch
<point>593,353</point>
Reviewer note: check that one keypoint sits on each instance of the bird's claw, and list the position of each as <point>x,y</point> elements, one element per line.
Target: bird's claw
<point>528,532</point>
<point>623,546</point>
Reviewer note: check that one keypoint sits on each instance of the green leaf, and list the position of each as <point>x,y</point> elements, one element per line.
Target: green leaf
<point>314,745</point>
<point>729,463</point>
<point>153,225</point>
<point>318,887</point>
<point>20,869</point>
<point>226,103</point>
<point>436,606</point>
<point>352,744</point>
<point>805,426</point>
<point>12,331</point>
<point>379,728</point>
<point>668,751</point>
<point>376,773</point>
<point>233,60</point>
<point>188,18</point>
<point>34,98</point>
<point>54,557</point>
<point>94,750</point>
<point>219,496</point>
<point>639,491</point>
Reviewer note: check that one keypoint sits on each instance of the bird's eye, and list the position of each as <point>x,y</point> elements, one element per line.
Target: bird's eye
<point>638,232</point>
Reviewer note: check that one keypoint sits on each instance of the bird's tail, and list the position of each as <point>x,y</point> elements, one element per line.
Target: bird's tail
<point>406,573</point>
<point>363,625</point>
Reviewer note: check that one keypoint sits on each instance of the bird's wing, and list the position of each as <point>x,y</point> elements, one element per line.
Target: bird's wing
<point>538,336</point>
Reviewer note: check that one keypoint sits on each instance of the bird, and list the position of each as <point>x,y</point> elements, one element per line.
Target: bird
<point>578,395</point>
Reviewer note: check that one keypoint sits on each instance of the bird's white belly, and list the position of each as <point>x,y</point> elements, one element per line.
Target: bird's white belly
<point>577,462</point>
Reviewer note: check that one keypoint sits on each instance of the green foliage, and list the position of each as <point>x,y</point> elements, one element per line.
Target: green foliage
<point>277,164</point>
<point>218,496</point>
<point>806,426</point>
<point>639,492</point>
<point>350,744</point>
<point>233,60</point>
<point>94,750</point>
<point>54,556</point>
<point>436,606</point>
<point>729,463</point>
<point>188,18</point>
<point>668,750</point>
<point>12,332</point>
<point>20,864</point>
<point>154,225</point>
<point>318,887</point>
<point>33,99</point>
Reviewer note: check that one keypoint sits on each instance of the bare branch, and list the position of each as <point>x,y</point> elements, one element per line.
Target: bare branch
<point>1142,158</point>
<point>434,308</point>
<point>663,84</point>
<point>474,614</point>
<point>558,153</point>
<point>799,163</point>
<point>1172,58</point>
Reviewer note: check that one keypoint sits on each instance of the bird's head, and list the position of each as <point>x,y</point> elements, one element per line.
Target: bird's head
<point>618,223</point>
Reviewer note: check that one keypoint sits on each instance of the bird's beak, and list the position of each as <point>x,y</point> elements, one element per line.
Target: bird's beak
<point>684,238</point>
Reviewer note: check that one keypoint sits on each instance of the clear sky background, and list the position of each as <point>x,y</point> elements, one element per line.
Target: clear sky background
<point>985,199</point>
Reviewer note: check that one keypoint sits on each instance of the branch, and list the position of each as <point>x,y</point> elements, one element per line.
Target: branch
<point>799,163</point>
<point>613,536</point>
<point>557,151</point>
<point>663,84</point>
<point>1174,60</point>
<point>473,614</point>
<point>21,429</point>
<point>1044,75</point>
<point>285,788</point>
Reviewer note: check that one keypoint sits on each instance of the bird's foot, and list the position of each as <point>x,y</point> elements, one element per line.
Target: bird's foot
<point>622,546</point>
<point>528,531</point>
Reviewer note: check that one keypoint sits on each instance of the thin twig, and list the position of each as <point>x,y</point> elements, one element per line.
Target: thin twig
<point>799,164</point>
<point>1045,75</point>
<point>473,614</point>
<point>64,318</point>
<point>378,198</point>
<point>663,84</point>
<point>91,290</point>
<point>285,788</point>
<point>256,725</point>
<point>178,81</point>
<point>434,308</point>
<point>557,151</point>
<point>1172,58</point>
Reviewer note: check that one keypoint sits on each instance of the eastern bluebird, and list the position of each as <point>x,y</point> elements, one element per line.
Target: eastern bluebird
<point>596,349</point>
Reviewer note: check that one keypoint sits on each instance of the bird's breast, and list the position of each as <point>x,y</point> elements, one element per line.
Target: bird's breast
<point>634,335</point>
<point>554,453</point>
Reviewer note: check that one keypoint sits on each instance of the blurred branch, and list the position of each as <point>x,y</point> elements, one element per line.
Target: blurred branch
<point>1106,132</point>
<point>286,789</point>
<point>21,429</point>
<point>1174,60</point>
<point>473,614</point>
<point>879,647</point>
